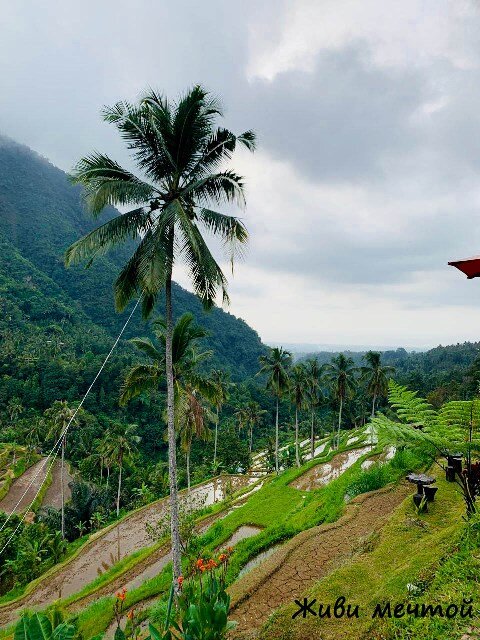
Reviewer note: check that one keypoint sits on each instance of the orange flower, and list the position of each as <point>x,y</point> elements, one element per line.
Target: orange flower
<point>211,564</point>
<point>223,557</point>
<point>230,549</point>
<point>199,563</point>
<point>131,614</point>
<point>180,581</point>
<point>121,595</point>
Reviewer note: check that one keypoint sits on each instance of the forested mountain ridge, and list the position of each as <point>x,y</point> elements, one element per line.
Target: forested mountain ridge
<point>41,213</point>
<point>451,371</point>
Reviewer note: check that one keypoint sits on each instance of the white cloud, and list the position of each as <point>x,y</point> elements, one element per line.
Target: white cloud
<point>407,33</point>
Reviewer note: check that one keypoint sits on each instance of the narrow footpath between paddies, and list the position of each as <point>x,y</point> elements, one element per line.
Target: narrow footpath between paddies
<point>369,556</point>
<point>307,557</point>
<point>107,548</point>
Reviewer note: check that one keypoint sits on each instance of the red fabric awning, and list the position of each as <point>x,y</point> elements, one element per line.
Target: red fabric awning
<point>470,266</point>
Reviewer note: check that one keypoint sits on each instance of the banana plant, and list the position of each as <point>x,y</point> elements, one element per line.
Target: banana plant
<point>40,627</point>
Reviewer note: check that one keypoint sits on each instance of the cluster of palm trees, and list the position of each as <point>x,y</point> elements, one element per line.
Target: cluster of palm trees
<point>308,386</point>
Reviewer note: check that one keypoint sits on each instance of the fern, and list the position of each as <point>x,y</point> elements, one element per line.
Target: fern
<point>409,407</point>
<point>419,423</point>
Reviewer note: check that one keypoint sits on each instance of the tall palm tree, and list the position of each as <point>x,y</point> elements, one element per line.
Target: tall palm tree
<point>222,385</point>
<point>314,395</point>
<point>122,440</point>
<point>298,394</point>
<point>340,372</point>
<point>180,155</point>
<point>275,365</point>
<point>376,375</point>
<point>191,390</point>
<point>60,415</point>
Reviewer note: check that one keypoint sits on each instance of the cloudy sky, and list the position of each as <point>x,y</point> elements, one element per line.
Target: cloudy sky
<point>367,176</point>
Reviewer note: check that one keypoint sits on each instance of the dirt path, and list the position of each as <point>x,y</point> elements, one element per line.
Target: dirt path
<point>311,555</point>
<point>109,547</point>
<point>20,485</point>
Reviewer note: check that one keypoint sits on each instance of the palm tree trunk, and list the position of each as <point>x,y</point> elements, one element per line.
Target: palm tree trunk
<point>312,436</point>
<point>276,441</point>
<point>251,439</point>
<point>216,440</point>
<point>339,421</point>
<point>119,487</point>
<point>108,475</point>
<point>188,469</point>
<point>373,404</point>
<point>172,444</point>
<point>63,486</point>
<point>297,453</point>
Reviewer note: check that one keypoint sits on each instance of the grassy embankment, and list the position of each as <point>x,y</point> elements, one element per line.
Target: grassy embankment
<point>426,550</point>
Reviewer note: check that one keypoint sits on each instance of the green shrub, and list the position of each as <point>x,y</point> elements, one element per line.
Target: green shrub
<point>374,478</point>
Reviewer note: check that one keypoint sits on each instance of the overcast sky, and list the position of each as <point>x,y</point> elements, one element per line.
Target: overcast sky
<point>366,181</point>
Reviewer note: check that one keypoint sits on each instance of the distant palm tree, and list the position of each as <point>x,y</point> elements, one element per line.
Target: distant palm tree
<point>36,431</point>
<point>100,456</point>
<point>298,394</point>
<point>314,395</point>
<point>340,372</point>
<point>222,385</point>
<point>249,417</point>
<point>191,416</point>
<point>376,375</point>
<point>60,415</point>
<point>276,365</point>
<point>180,155</point>
<point>15,409</point>
<point>121,443</point>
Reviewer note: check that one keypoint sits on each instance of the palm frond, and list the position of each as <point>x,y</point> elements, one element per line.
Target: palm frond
<point>128,225</point>
<point>192,125</point>
<point>145,345</point>
<point>207,276</point>
<point>140,379</point>
<point>106,182</point>
<point>135,126</point>
<point>223,187</point>
<point>232,231</point>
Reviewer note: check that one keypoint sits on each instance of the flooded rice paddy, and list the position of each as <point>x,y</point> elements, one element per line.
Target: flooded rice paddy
<point>322,474</point>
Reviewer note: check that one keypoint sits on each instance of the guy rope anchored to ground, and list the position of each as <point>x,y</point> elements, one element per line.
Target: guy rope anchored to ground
<point>56,447</point>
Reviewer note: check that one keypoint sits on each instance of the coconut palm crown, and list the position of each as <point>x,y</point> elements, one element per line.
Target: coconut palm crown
<point>179,153</point>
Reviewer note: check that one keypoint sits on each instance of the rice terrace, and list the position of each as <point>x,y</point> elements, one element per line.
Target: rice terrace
<point>239,344</point>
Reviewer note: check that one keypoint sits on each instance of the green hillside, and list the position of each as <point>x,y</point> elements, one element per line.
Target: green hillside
<point>41,213</point>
